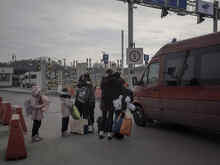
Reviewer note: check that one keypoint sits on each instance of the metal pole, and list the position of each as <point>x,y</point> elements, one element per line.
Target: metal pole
<point>64,63</point>
<point>130,24</point>
<point>122,52</point>
<point>130,35</point>
<point>215,18</point>
<point>42,72</point>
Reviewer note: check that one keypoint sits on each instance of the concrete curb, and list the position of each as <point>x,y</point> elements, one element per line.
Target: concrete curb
<point>51,93</point>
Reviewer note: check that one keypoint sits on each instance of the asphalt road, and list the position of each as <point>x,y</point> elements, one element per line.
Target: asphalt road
<point>160,145</point>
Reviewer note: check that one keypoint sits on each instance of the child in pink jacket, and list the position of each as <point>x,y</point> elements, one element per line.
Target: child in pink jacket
<point>39,104</point>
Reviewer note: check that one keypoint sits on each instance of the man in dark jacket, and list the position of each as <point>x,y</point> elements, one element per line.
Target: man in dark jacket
<point>111,88</point>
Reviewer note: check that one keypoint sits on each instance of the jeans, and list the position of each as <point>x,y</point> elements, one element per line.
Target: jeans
<point>107,120</point>
<point>36,127</point>
<point>65,123</point>
<point>91,113</point>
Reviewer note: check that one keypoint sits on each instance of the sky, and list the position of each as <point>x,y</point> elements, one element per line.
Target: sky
<point>80,29</point>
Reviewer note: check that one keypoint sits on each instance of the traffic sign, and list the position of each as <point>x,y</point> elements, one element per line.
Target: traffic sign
<point>205,7</point>
<point>176,4</point>
<point>105,58</point>
<point>146,58</point>
<point>134,56</point>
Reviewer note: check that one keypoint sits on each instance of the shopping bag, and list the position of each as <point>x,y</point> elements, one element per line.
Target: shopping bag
<point>117,123</point>
<point>78,126</point>
<point>75,113</point>
<point>126,126</point>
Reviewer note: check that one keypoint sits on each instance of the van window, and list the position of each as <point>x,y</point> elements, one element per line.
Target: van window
<point>153,74</point>
<point>144,79</point>
<point>210,67</point>
<point>179,69</point>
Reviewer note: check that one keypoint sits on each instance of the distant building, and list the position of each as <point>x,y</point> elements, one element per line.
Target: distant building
<point>6,74</point>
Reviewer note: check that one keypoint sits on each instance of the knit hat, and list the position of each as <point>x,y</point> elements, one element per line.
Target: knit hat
<point>65,93</point>
<point>35,90</point>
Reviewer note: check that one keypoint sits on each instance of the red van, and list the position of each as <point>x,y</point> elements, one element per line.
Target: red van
<point>181,84</point>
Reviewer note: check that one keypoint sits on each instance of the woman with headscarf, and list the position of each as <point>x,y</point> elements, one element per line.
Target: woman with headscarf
<point>86,104</point>
<point>39,104</point>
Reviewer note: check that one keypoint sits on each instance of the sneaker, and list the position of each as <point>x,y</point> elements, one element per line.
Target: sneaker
<point>39,137</point>
<point>36,139</point>
<point>101,135</point>
<point>109,136</point>
<point>65,134</point>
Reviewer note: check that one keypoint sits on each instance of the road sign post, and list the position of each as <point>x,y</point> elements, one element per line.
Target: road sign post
<point>130,35</point>
<point>134,57</point>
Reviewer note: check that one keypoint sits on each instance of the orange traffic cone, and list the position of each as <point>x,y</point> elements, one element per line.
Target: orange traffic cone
<point>16,146</point>
<point>7,113</point>
<point>18,110</point>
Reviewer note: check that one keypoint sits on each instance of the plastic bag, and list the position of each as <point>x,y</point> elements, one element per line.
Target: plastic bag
<point>75,113</point>
<point>118,103</point>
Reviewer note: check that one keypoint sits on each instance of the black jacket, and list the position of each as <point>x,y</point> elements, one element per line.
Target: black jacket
<point>111,88</point>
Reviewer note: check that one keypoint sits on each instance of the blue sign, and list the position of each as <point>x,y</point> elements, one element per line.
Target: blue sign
<point>146,58</point>
<point>170,3</point>
<point>105,58</point>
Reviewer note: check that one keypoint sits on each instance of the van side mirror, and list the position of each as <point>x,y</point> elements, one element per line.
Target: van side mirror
<point>171,71</point>
<point>146,58</point>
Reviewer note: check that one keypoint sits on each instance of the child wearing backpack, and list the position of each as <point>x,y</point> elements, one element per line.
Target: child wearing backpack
<point>39,104</point>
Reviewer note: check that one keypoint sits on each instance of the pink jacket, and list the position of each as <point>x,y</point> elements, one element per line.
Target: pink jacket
<point>39,105</point>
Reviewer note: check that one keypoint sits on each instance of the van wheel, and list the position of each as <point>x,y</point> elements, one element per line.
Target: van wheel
<point>139,118</point>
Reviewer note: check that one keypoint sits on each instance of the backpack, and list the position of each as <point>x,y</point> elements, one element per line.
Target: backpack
<point>83,95</point>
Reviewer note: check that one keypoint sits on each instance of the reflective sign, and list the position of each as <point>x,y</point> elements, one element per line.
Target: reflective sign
<point>205,7</point>
<point>167,3</point>
<point>135,56</point>
<point>105,58</point>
